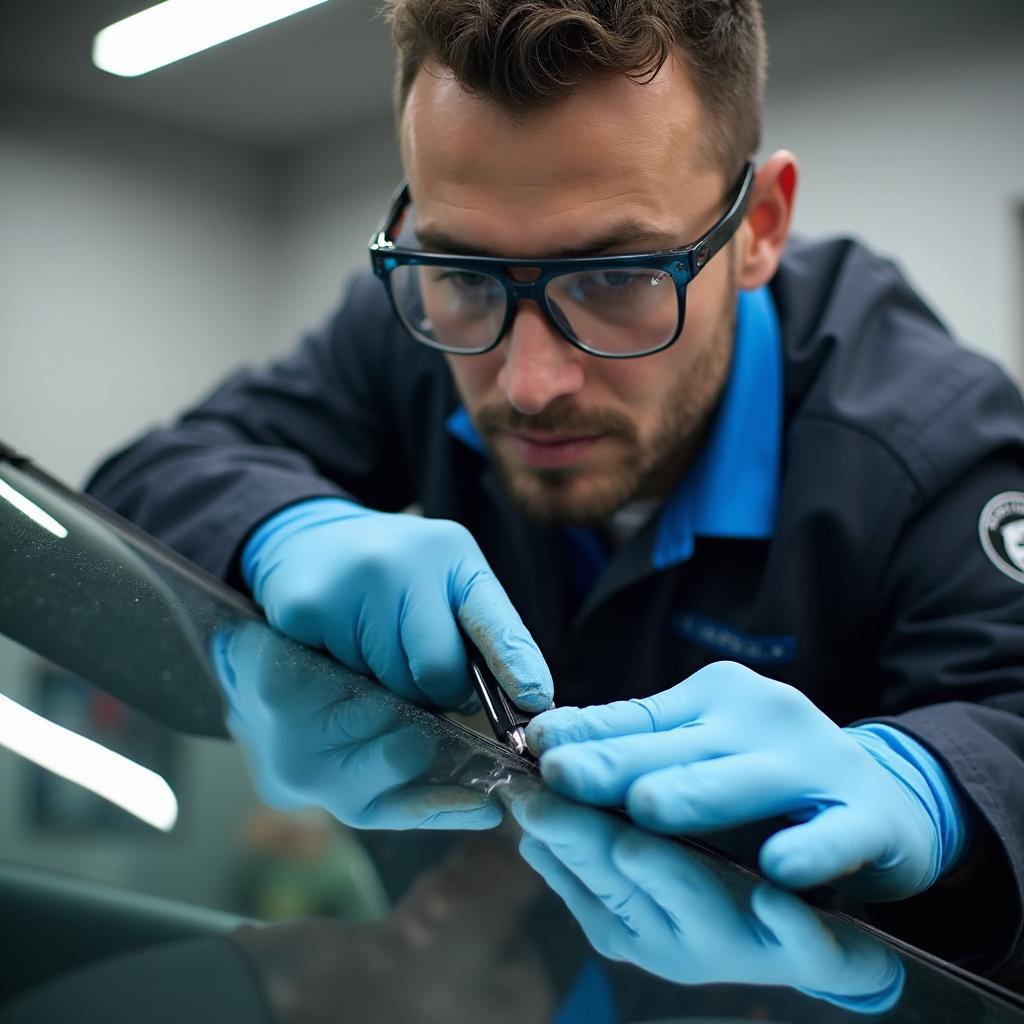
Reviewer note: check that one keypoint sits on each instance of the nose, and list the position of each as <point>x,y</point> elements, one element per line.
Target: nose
<point>540,365</point>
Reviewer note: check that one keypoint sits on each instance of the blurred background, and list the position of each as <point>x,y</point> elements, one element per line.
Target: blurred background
<point>156,232</point>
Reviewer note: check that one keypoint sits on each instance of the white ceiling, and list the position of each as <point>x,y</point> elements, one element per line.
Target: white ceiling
<point>303,79</point>
<point>285,85</point>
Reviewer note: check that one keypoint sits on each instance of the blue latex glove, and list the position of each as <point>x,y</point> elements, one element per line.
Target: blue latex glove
<point>316,736</point>
<point>649,901</point>
<point>728,747</point>
<point>383,594</point>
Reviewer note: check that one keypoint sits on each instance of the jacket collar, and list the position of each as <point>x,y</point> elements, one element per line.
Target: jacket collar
<point>460,426</point>
<point>732,488</point>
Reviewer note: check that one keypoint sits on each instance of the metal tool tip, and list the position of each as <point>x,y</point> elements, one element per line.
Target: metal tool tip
<point>517,740</point>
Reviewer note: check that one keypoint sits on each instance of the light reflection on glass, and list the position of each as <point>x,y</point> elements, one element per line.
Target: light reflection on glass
<point>130,786</point>
<point>32,510</point>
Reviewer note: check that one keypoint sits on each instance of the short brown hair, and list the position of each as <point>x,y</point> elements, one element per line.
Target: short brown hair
<point>523,54</point>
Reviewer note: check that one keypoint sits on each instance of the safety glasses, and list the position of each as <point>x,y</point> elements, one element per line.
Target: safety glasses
<point>616,307</point>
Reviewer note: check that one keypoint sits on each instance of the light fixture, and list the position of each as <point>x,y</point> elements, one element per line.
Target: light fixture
<point>178,28</point>
<point>110,775</point>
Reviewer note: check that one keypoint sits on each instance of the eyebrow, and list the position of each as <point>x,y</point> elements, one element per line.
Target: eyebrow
<point>625,234</point>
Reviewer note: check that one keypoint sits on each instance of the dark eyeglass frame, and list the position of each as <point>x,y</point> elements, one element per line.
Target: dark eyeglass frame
<point>682,265</point>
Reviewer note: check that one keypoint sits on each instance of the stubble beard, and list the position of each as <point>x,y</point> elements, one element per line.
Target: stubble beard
<point>581,497</point>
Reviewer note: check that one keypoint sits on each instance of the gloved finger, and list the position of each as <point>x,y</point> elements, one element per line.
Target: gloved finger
<point>558,823</point>
<point>279,692</point>
<point>581,839</point>
<point>270,785</point>
<point>492,623</point>
<point>795,927</point>
<point>340,637</point>
<point>852,970</point>
<point>361,717</point>
<point>678,706</point>
<point>602,771</point>
<point>368,771</point>
<point>855,964</point>
<point>298,606</point>
<point>605,930</point>
<point>243,714</point>
<point>564,725</point>
<point>452,808</point>
<point>837,842</point>
<point>709,795</point>
<point>245,660</point>
<point>221,654</point>
<point>302,754</point>
<point>552,819</point>
<point>433,648</point>
<point>690,896</point>
<point>378,639</point>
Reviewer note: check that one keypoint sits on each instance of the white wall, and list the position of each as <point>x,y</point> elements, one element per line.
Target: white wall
<point>922,155</point>
<point>135,267</point>
<point>331,198</point>
<point>138,266</point>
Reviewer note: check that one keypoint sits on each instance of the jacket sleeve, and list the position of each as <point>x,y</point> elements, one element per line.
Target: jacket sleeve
<point>951,657</point>
<point>318,422</point>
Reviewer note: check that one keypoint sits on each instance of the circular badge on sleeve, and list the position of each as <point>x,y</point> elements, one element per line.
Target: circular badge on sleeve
<point>1001,529</point>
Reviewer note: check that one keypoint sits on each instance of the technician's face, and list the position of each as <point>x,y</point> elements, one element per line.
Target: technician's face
<point>577,436</point>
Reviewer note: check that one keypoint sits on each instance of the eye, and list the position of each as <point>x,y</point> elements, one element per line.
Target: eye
<point>615,280</point>
<point>613,284</point>
<point>465,280</point>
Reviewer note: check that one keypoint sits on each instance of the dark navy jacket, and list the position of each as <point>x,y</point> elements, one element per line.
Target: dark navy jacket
<point>879,589</point>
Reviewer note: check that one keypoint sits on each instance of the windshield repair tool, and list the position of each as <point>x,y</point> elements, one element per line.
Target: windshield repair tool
<point>508,721</point>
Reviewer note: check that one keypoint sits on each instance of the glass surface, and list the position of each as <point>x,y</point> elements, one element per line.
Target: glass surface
<point>403,867</point>
<point>616,312</point>
<point>450,308</point>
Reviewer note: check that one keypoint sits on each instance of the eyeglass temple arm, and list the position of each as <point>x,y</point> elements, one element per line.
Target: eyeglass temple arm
<point>398,202</point>
<point>709,244</point>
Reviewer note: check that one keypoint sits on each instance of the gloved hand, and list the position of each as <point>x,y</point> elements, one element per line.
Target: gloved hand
<point>314,735</point>
<point>649,901</point>
<point>728,747</point>
<point>383,594</point>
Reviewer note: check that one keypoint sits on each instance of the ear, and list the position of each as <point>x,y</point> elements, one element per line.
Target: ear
<point>765,229</point>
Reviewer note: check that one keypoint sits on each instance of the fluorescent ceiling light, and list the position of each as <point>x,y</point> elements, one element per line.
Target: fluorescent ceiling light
<point>32,510</point>
<point>113,777</point>
<point>178,28</point>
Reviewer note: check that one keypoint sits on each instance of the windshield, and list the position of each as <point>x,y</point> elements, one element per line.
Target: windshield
<point>357,853</point>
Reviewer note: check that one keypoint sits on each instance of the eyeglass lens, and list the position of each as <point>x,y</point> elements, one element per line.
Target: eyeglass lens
<point>611,311</point>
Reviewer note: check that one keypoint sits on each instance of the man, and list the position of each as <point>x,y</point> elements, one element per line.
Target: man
<point>745,493</point>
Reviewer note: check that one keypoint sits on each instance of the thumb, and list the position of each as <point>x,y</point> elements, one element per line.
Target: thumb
<point>845,963</point>
<point>794,925</point>
<point>492,623</point>
<point>834,843</point>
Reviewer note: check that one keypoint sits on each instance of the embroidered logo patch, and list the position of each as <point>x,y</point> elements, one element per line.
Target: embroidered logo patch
<point>1001,529</point>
